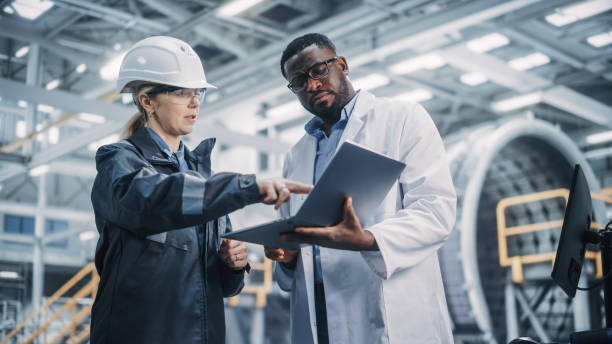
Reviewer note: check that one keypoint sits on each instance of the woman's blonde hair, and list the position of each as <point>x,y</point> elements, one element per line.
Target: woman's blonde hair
<point>138,120</point>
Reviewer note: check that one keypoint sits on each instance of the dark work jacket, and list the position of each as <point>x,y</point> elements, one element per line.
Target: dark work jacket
<point>155,285</point>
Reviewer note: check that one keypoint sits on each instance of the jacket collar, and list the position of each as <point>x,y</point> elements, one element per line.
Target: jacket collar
<point>200,156</point>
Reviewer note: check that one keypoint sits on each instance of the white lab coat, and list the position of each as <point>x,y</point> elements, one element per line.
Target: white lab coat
<point>394,295</point>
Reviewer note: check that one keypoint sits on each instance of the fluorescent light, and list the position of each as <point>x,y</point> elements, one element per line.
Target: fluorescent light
<point>529,61</point>
<point>90,117</point>
<point>473,79</point>
<point>212,97</point>
<point>9,10</point>
<point>126,98</point>
<point>39,170</point>
<point>53,135</point>
<point>415,96</point>
<point>31,9</point>
<point>105,141</point>
<point>600,40</point>
<point>488,42</point>
<point>21,52</point>
<point>371,81</point>
<point>20,129</point>
<point>53,84</point>
<point>9,274</point>
<point>81,68</point>
<point>235,7</point>
<point>517,102</point>
<point>599,137</point>
<point>285,110</point>
<point>427,61</point>
<point>22,104</point>
<point>579,11</point>
<point>110,70</point>
<point>86,236</point>
<point>45,108</point>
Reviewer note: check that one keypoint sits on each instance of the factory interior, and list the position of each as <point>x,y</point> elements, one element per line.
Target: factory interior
<point>519,90</point>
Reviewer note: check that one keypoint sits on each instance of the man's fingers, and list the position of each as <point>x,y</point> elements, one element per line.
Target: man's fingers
<point>349,212</point>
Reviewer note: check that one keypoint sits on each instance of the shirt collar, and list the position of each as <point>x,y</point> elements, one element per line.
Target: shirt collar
<point>314,127</point>
<point>163,146</point>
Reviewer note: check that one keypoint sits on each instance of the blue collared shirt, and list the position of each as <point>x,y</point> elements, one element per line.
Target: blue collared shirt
<point>178,159</point>
<point>326,148</point>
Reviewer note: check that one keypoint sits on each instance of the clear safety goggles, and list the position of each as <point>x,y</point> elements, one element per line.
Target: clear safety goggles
<point>179,95</point>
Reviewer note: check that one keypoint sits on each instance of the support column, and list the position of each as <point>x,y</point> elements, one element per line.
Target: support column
<point>511,312</point>
<point>38,267</point>
<point>257,325</point>
<point>31,80</point>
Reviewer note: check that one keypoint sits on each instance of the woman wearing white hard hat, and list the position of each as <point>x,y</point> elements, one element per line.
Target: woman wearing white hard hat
<point>160,211</point>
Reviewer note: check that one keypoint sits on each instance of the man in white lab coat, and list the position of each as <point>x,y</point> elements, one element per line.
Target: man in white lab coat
<point>378,281</point>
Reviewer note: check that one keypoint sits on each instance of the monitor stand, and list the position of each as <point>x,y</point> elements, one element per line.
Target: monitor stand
<point>604,240</point>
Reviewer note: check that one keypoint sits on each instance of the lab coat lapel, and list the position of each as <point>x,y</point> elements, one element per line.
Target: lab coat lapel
<point>304,157</point>
<point>303,172</point>
<point>355,122</point>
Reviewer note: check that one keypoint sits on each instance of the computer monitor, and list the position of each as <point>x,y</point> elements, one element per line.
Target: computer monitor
<point>572,246</point>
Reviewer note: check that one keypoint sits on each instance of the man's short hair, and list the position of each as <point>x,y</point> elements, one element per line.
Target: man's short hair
<point>302,42</point>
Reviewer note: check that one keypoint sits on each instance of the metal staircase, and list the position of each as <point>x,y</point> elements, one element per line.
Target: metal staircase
<point>64,317</point>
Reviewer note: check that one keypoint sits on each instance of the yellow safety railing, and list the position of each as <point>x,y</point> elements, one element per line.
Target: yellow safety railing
<point>89,289</point>
<point>503,232</point>
<point>260,291</point>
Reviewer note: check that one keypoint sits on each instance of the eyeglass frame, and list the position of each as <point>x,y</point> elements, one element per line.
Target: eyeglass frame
<point>308,76</point>
<point>159,89</point>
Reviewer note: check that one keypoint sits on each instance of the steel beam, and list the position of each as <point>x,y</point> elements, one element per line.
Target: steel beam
<point>16,30</point>
<point>208,31</point>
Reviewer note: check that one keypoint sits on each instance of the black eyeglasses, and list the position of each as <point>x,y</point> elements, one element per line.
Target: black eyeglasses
<point>316,72</point>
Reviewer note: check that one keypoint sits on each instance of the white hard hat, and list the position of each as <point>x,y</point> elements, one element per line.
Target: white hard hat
<point>161,60</point>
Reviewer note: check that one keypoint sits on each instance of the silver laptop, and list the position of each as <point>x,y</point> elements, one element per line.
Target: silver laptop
<point>355,171</point>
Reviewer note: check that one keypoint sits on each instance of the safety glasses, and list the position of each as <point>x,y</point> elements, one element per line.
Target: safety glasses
<point>179,95</point>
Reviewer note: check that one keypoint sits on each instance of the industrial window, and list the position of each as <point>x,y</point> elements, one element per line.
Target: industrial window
<point>19,224</point>
<point>25,225</point>
<point>54,226</point>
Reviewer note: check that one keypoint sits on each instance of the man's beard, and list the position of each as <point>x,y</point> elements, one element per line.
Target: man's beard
<point>331,114</point>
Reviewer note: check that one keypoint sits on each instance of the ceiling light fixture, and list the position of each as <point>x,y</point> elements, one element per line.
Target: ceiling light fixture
<point>31,9</point>
<point>233,8</point>
<point>81,68</point>
<point>371,81</point>
<point>53,84</point>
<point>21,52</point>
<point>517,102</point>
<point>415,96</point>
<point>488,42</point>
<point>529,61</point>
<point>428,61</point>
<point>473,79</point>
<point>39,170</point>
<point>600,40</point>
<point>285,110</point>
<point>579,11</point>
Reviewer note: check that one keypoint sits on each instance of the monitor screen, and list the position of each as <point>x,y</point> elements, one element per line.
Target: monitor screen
<point>571,248</point>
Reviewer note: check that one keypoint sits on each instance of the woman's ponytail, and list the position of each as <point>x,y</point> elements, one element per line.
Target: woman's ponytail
<point>139,120</point>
